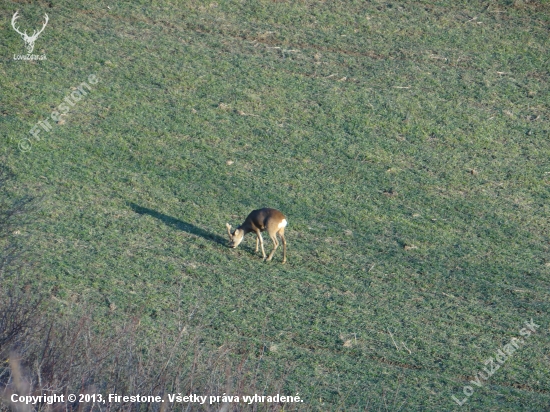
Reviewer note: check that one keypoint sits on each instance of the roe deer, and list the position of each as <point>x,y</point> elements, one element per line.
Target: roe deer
<point>257,221</point>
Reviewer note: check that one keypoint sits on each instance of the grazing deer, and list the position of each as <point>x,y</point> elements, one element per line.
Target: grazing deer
<point>257,221</point>
<point>29,40</point>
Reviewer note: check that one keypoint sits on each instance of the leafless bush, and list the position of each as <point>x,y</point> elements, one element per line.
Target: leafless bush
<point>17,306</point>
<point>68,354</point>
<point>17,314</point>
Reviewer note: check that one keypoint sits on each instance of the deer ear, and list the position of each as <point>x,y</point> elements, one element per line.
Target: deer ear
<point>229,229</point>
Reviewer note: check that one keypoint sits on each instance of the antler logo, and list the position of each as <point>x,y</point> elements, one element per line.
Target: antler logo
<point>29,40</point>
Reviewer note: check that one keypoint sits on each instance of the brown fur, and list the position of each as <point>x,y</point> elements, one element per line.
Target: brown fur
<point>258,221</point>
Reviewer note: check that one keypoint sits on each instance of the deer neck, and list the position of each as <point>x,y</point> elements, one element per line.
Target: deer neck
<point>246,228</point>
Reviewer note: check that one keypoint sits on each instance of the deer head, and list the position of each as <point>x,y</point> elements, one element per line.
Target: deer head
<point>29,40</point>
<point>236,237</point>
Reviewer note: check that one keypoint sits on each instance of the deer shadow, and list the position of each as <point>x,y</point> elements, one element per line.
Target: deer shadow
<point>178,224</point>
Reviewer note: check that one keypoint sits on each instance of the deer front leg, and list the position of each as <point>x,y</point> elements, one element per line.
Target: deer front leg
<point>257,243</point>
<point>261,243</point>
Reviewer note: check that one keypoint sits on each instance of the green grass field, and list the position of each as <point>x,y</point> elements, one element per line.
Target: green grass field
<point>406,142</point>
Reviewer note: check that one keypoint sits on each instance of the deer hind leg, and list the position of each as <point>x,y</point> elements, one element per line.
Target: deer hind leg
<point>282,234</point>
<point>275,245</point>
<point>257,243</point>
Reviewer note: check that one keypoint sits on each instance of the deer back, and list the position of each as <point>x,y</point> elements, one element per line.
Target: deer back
<point>264,219</point>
